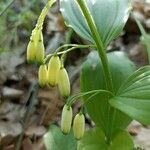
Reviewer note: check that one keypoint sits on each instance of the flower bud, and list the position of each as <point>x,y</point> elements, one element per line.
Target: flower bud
<point>79,126</point>
<point>31,52</point>
<point>36,50</point>
<point>53,70</point>
<point>40,52</point>
<point>66,119</point>
<point>42,75</point>
<point>63,82</point>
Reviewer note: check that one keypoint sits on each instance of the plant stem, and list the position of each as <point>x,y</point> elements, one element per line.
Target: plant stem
<point>44,13</point>
<point>73,47</point>
<point>76,97</point>
<point>99,44</point>
<point>103,57</point>
<point>68,41</point>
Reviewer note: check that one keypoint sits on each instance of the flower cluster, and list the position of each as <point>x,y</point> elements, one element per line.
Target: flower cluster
<point>78,122</point>
<point>55,74</point>
<point>35,49</point>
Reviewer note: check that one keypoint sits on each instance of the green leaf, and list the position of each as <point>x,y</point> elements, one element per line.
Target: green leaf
<point>109,16</point>
<point>121,140</point>
<point>133,98</point>
<point>95,140</point>
<point>92,79</point>
<point>54,139</point>
<point>92,140</point>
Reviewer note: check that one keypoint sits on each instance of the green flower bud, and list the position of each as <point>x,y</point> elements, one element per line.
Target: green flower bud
<point>36,50</point>
<point>63,82</point>
<point>42,75</point>
<point>79,126</point>
<point>66,119</point>
<point>53,70</point>
<point>31,52</point>
<point>40,52</point>
<point>39,45</point>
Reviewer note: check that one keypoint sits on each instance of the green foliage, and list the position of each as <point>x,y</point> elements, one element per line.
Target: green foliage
<point>109,16</point>
<point>133,98</point>
<point>92,78</point>
<point>95,140</point>
<point>54,139</point>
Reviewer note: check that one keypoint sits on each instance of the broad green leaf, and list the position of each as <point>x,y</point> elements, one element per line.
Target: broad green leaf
<point>54,139</point>
<point>121,140</point>
<point>133,98</point>
<point>95,140</point>
<point>92,79</point>
<point>109,16</point>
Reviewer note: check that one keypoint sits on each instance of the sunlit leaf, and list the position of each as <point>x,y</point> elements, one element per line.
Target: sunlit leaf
<point>109,16</point>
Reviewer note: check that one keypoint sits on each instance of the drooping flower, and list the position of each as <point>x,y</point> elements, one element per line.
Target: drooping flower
<point>53,70</point>
<point>79,126</point>
<point>63,82</point>
<point>31,52</point>
<point>66,119</point>
<point>42,75</point>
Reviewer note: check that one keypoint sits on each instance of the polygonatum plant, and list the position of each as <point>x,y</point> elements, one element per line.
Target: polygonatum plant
<point>113,91</point>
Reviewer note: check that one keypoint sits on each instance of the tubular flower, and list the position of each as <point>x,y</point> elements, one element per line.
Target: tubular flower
<point>40,49</point>
<point>35,49</point>
<point>53,70</point>
<point>66,119</point>
<point>42,75</point>
<point>79,126</point>
<point>63,83</point>
<point>31,52</point>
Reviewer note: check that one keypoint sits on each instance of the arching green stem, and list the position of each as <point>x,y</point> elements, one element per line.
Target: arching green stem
<point>73,47</point>
<point>99,44</point>
<point>75,98</point>
<point>103,57</point>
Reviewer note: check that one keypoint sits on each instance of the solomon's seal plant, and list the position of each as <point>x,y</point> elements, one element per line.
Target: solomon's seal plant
<point>112,90</point>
